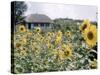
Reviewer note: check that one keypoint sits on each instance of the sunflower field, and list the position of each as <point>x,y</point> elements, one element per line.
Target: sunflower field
<point>37,51</point>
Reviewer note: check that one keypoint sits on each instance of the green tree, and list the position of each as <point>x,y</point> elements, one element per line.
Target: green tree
<point>19,8</point>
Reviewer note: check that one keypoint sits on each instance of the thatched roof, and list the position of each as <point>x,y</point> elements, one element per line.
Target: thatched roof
<point>38,18</point>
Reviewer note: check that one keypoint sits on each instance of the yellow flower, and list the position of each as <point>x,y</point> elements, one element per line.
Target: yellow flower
<point>84,25</point>
<point>52,34</point>
<point>22,28</point>
<point>61,54</point>
<point>93,64</point>
<point>48,45</point>
<point>38,29</point>
<point>23,41</point>
<point>23,51</point>
<point>41,39</point>
<point>29,34</point>
<point>68,34</point>
<point>70,45</point>
<point>34,43</point>
<point>58,40</point>
<point>58,37</point>
<point>68,51</point>
<point>63,46</point>
<point>34,46</point>
<point>18,45</point>
<point>59,34</point>
<point>49,38</point>
<point>46,40</point>
<point>55,52</point>
<point>90,36</point>
<point>49,34</point>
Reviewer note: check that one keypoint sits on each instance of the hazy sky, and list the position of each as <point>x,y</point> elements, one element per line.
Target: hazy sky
<point>62,11</point>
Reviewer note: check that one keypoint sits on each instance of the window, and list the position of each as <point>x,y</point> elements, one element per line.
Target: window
<point>42,25</point>
<point>29,25</point>
<point>35,25</point>
<point>47,25</point>
<point>32,26</point>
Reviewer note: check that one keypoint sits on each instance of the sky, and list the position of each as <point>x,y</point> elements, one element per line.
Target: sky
<point>62,11</point>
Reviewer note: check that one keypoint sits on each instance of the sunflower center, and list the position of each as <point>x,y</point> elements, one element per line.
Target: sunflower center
<point>23,48</point>
<point>37,29</point>
<point>18,45</point>
<point>67,53</point>
<point>21,28</point>
<point>48,34</point>
<point>90,35</point>
<point>84,27</point>
<point>36,48</point>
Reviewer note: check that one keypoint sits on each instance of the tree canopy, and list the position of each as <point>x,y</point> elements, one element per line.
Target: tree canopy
<point>19,8</point>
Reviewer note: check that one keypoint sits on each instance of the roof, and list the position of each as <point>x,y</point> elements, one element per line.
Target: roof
<point>38,18</point>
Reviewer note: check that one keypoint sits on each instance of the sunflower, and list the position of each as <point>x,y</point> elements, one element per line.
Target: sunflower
<point>23,41</point>
<point>33,46</point>
<point>46,40</point>
<point>48,37</point>
<point>58,40</point>
<point>23,51</point>
<point>84,25</point>
<point>41,39</point>
<point>18,45</point>
<point>59,34</point>
<point>55,52</point>
<point>61,55</point>
<point>29,33</point>
<point>63,46</point>
<point>22,28</point>
<point>90,36</point>
<point>58,37</point>
<point>68,34</point>
<point>52,34</point>
<point>48,45</point>
<point>49,34</point>
<point>70,45</point>
<point>68,51</point>
<point>37,29</point>
<point>93,64</point>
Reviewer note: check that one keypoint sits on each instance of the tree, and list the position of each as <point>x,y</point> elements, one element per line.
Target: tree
<point>19,8</point>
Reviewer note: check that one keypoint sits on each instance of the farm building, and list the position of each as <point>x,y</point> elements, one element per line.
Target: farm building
<point>35,20</point>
